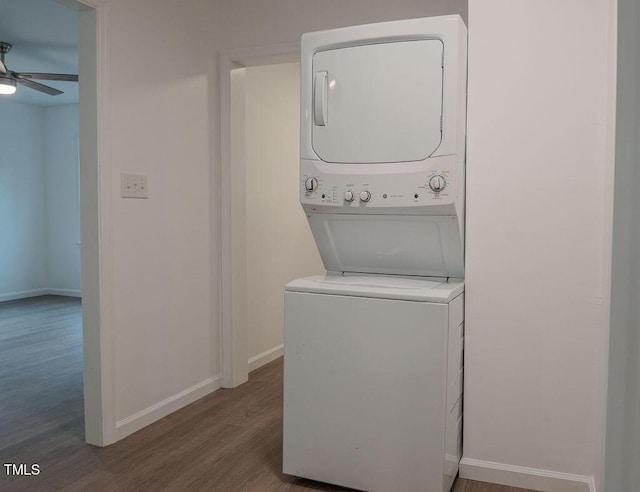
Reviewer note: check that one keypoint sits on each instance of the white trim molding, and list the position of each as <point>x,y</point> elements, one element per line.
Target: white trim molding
<point>23,294</point>
<point>138,420</point>
<point>265,357</point>
<point>90,3</point>
<point>64,292</point>
<point>96,226</point>
<point>234,342</point>
<point>524,477</point>
<point>105,218</point>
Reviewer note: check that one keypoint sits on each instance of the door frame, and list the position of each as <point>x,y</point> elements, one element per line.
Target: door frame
<point>233,329</point>
<point>95,220</point>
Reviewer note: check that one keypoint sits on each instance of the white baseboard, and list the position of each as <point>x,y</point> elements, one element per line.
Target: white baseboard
<point>524,477</point>
<point>265,357</point>
<point>12,296</point>
<point>65,292</point>
<point>24,294</point>
<point>163,408</point>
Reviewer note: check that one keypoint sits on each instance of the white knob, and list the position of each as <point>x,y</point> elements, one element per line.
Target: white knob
<point>310,184</point>
<point>348,196</point>
<point>437,183</point>
<point>365,196</point>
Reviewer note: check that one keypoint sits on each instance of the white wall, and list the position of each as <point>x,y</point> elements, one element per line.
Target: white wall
<point>39,250</point>
<point>280,246</point>
<point>23,268</point>
<point>623,411</point>
<point>62,199</point>
<point>159,285</point>
<point>259,23</point>
<point>539,175</point>
<point>160,295</point>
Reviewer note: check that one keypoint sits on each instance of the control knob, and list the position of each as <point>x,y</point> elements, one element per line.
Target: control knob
<point>365,196</point>
<point>310,184</point>
<point>437,183</point>
<point>348,196</point>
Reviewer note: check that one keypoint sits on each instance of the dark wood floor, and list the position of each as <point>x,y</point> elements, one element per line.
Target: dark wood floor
<point>230,440</point>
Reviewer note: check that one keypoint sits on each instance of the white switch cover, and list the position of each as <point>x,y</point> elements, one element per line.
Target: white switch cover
<point>133,185</point>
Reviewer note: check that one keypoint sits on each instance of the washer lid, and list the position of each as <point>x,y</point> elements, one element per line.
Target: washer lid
<point>383,287</point>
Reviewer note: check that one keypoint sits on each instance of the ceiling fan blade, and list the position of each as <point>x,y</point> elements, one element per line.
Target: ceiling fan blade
<point>3,67</point>
<point>49,76</point>
<point>39,87</point>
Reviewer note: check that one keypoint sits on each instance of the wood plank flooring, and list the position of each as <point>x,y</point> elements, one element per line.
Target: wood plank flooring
<point>40,368</point>
<point>230,440</point>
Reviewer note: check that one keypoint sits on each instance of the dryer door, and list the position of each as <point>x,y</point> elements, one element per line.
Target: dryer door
<point>378,103</point>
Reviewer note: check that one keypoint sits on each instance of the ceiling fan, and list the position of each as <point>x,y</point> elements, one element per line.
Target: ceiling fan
<point>10,79</point>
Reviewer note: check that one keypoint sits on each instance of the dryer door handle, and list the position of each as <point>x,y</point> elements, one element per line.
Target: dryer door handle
<point>320,99</point>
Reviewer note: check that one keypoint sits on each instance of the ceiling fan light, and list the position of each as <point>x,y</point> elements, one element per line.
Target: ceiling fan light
<point>7,86</point>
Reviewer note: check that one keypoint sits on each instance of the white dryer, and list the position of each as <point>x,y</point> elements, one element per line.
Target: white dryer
<point>373,350</point>
<point>382,146</point>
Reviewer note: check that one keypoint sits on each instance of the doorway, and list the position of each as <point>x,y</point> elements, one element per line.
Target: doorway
<point>88,335</point>
<point>40,290</point>
<point>270,242</point>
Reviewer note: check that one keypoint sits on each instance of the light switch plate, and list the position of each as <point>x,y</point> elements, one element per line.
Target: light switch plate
<point>133,185</point>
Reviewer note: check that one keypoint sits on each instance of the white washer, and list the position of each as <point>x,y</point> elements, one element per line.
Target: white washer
<point>373,381</point>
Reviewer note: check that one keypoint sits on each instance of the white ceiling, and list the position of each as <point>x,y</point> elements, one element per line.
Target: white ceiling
<point>44,35</point>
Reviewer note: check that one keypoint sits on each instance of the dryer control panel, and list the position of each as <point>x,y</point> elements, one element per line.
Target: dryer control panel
<point>432,187</point>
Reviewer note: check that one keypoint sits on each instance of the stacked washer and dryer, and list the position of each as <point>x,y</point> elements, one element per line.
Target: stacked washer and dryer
<point>373,349</point>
